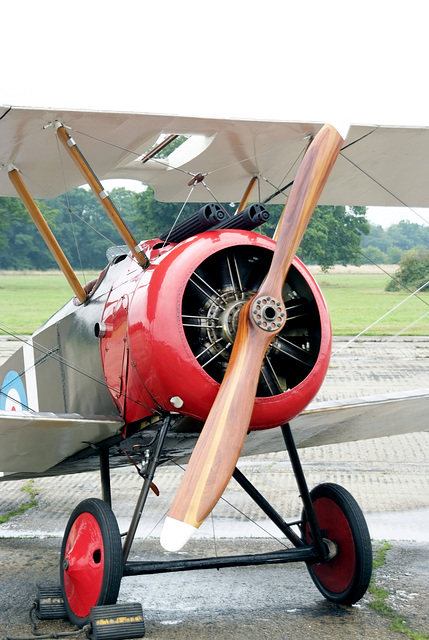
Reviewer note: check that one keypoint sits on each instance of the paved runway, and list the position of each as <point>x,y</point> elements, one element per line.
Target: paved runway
<point>389,477</point>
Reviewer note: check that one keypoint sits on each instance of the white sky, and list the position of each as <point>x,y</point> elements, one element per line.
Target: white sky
<point>358,61</point>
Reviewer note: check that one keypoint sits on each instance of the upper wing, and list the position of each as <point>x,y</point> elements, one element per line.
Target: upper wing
<point>378,165</point>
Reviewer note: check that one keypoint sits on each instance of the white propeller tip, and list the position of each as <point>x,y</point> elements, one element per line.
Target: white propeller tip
<point>175,534</point>
<point>342,128</point>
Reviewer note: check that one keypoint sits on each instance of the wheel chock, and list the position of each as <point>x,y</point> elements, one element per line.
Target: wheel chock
<point>116,622</point>
<point>50,603</point>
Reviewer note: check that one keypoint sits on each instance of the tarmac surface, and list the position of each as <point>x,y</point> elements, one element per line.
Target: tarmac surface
<point>389,478</point>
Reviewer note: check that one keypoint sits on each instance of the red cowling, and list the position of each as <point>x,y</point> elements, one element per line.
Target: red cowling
<point>170,330</point>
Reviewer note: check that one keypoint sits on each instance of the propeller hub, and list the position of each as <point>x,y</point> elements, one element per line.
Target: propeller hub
<point>268,313</point>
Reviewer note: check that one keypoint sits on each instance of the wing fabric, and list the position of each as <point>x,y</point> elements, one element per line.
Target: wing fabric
<point>322,423</point>
<point>35,442</point>
<point>349,420</point>
<point>383,166</point>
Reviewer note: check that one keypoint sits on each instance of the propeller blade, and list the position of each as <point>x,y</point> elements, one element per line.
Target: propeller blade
<point>219,446</point>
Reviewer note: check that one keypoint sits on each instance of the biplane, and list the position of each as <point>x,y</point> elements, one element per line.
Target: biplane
<point>200,346</point>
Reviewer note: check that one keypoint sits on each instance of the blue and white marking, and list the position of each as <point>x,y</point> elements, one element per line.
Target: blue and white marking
<point>13,396</point>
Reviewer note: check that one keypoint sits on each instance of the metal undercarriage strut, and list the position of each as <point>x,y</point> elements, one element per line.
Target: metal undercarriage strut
<point>149,475</point>
<point>317,551</point>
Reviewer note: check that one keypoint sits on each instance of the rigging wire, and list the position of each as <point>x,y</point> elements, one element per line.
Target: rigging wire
<point>407,327</point>
<point>235,508</point>
<point>222,168</point>
<point>392,276</point>
<point>66,191</point>
<point>48,353</point>
<point>131,151</point>
<point>404,204</point>
<point>102,381</point>
<point>178,215</point>
<point>213,517</point>
<point>30,180</point>
<point>278,191</point>
<point>281,190</point>
<point>359,251</point>
<point>5,113</point>
<point>382,318</point>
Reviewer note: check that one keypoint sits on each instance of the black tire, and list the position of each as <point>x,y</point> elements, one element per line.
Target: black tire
<point>345,578</point>
<point>91,565</point>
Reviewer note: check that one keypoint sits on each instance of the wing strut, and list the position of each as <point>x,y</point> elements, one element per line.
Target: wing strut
<point>246,194</point>
<point>102,195</point>
<point>46,233</point>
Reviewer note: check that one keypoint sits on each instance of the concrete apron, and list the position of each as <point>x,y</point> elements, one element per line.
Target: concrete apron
<point>389,477</point>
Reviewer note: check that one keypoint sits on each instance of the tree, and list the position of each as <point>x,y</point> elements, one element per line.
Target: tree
<point>78,222</point>
<point>407,235</point>
<point>374,255</point>
<point>395,240</point>
<point>393,255</point>
<point>413,271</point>
<point>152,218</point>
<point>10,209</point>
<point>333,236</point>
<point>21,245</point>
<point>377,238</point>
<point>85,232</point>
<point>83,228</point>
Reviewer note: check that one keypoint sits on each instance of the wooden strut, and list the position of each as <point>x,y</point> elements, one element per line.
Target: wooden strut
<point>159,147</point>
<point>246,194</point>
<point>46,234</point>
<point>101,195</point>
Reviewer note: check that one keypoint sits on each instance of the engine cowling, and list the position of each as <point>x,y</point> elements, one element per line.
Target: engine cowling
<point>176,323</point>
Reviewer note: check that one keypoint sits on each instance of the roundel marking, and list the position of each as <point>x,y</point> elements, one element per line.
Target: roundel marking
<point>13,396</point>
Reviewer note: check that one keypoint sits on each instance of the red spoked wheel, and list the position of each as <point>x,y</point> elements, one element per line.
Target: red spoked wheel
<point>91,565</point>
<point>345,578</point>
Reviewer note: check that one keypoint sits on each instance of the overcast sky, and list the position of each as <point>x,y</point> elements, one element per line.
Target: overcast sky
<point>362,62</point>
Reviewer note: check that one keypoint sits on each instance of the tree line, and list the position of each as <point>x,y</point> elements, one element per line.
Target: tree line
<point>388,246</point>
<point>335,235</point>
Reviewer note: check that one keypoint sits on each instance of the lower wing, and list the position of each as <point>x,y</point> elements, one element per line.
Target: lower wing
<point>34,444</point>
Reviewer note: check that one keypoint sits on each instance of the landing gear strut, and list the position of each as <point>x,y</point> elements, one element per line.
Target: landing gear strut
<point>331,537</point>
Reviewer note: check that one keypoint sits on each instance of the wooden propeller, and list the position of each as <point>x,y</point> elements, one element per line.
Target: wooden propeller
<point>219,446</point>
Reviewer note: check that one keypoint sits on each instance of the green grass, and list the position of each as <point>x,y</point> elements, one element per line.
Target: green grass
<point>28,299</point>
<point>355,301</point>
<point>379,600</point>
<point>32,502</point>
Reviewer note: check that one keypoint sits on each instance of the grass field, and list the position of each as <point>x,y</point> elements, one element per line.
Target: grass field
<point>28,299</point>
<point>356,301</point>
<point>355,298</point>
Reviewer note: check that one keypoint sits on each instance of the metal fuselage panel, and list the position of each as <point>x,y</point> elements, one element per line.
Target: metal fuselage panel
<point>59,369</point>
<point>84,389</point>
